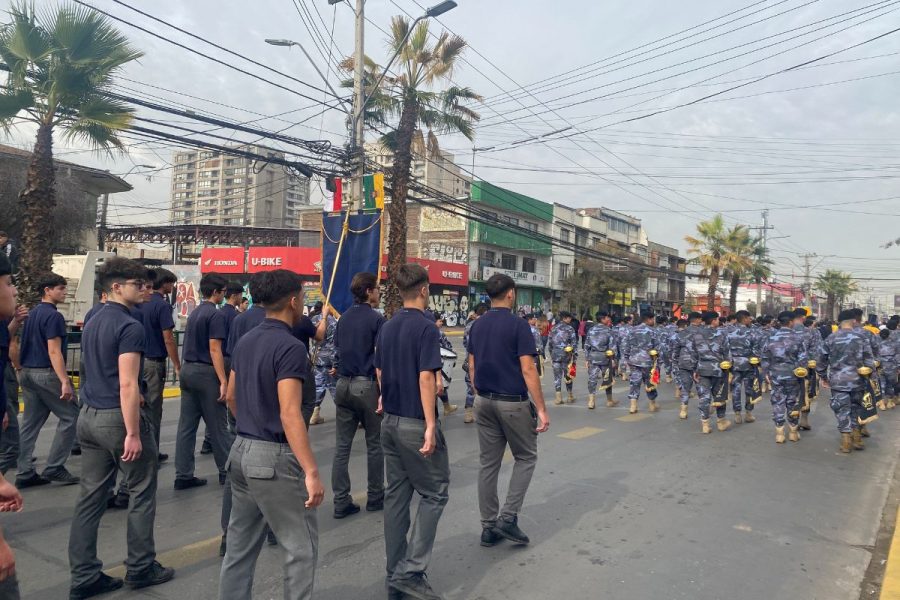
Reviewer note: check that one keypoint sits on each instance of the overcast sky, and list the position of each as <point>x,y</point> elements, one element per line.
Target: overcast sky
<point>767,144</point>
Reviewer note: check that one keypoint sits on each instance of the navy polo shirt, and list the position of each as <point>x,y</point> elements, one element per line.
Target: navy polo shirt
<point>354,340</point>
<point>229,312</point>
<point>497,340</point>
<point>92,312</point>
<point>243,323</point>
<point>156,315</point>
<point>204,323</point>
<point>4,356</point>
<point>263,357</point>
<point>111,333</point>
<point>4,333</point>
<point>407,345</point>
<point>304,329</point>
<point>44,323</point>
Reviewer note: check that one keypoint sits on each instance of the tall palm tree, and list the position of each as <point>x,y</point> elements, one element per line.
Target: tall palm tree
<point>409,101</point>
<point>738,260</point>
<point>836,285</point>
<point>60,65</point>
<point>708,249</point>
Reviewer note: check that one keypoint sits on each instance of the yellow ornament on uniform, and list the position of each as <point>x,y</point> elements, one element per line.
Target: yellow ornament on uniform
<point>610,353</point>
<point>801,372</point>
<point>653,353</point>
<point>754,360</point>
<point>864,371</point>
<point>811,364</point>
<point>725,365</point>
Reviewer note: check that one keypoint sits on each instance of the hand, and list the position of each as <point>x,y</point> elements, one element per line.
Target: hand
<point>222,387</point>
<point>543,421</point>
<point>769,380</point>
<point>380,408</point>
<point>5,421</point>
<point>7,561</point>
<point>21,314</point>
<point>326,310</point>
<point>429,446</point>
<point>696,377</point>
<point>439,381</point>
<point>316,491</point>
<point>10,498</point>
<point>587,364</point>
<point>332,371</point>
<point>67,391</point>
<point>177,373</point>
<point>133,448</point>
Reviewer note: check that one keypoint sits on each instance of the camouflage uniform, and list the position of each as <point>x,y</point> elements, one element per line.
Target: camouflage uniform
<point>709,347</point>
<point>470,391</point>
<point>843,352</point>
<point>446,344</point>
<point>668,339</point>
<point>743,345</point>
<point>890,361</point>
<point>619,333</point>
<point>562,336</point>
<point>636,349</point>
<point>325,359</point>
<point>785,351</point>
<point>762,339</point>
<point>599,339</point>
<point>684,362</point>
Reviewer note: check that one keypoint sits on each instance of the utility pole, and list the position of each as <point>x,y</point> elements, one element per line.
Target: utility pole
<point>101,226</point>
<point>357,133</point>
<point>807,276</point>
<point>764,236</point>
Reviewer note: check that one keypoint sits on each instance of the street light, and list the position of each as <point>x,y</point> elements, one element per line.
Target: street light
<point>288,44</point>
<point>439,9</point>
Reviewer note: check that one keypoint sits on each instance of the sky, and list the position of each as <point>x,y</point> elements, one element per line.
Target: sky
<point>816,142</point>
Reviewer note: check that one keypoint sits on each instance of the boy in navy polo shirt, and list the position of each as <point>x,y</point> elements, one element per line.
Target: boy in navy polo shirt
<point>46,386</point>
<point>407,357</point>
<point>115,435</point>
<point>501,363</point>
<point>272,469</point>
<point>203,381</point>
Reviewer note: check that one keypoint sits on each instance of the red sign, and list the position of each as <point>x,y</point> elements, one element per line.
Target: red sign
<point>439,272</point>
<point>222,260</point>
<point>303,261</point>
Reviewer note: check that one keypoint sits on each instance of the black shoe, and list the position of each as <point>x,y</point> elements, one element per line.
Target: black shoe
<point>61,475</point>
<point>162,457</point>
<point>155,574</point>
<point>350,509</point>
<point>489,537</point>
<point>33,481</point>
<point>375,506</point>
<point>121,499</point>
<point>76,451</point>
<point>102,585</point>
<point>393,594</point>
<point>205,448</point>
<point>186,484</point>
<point>221,478</point>
<point>510,530</point>
<point>415,586</point>
<point>270,538</point>
<point>222,547</point>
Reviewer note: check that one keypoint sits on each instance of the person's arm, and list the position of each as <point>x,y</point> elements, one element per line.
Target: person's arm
<point>58,362</point>
<point>472,372</point>
<point>322,327</point>
<point>7,560</point>
<point>18,318</point>
<point>380,408</point>
<point>130,394</point>
<point>172,350</point>
<point>427,394</point>
<point>230,398</point>
<point>14,353</point>
<point>533,383</point>
<point>290,397</point>
<point>218,361</point>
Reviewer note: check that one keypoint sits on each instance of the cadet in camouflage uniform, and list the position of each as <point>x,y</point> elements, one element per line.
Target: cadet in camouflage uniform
<point>709,348</point>
<point>813,349</point>
<point>469,417</point>
<point>784,356</point>
<point>662,345</point>
<point>638,351</point>
<point>621,330</point>
<point>683,360</point>
<point>446,344</point>
<point>743,345</point>
<point>600,350</point>
<point>325,370</point>
<point>563,346</point>
<point>671,332</point>
<point>763,333</point>
<point>843,353</point>
<point>536,334</point>
<point>889,351</point>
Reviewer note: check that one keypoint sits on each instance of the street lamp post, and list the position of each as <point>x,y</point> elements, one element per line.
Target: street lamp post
<point>104,209</point>
<point>288,44</point>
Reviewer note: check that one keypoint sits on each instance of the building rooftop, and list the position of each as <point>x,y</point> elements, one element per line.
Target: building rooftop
<point>94,181</point>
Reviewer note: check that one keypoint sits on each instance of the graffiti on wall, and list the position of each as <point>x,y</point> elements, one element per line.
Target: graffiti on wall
<point>445,251</point>
<point>185,298</point>
<point>434,219</point>
<point>453,305</point>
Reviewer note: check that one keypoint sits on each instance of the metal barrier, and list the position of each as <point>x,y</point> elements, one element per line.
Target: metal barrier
<point>73,357</point>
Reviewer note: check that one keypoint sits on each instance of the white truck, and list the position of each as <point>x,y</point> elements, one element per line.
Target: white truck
<point>80,271</point>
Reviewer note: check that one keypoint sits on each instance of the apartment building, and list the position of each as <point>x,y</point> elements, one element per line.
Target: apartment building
<point>431,166</point>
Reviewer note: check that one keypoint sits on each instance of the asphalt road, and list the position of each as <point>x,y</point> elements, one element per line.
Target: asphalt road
<point>621,506</point>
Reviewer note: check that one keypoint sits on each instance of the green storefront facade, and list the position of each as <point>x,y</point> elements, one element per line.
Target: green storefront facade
<point>486,242</point>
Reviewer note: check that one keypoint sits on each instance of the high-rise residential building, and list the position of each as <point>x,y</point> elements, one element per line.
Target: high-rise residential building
<point>212,188</point>
<point>430,166</point>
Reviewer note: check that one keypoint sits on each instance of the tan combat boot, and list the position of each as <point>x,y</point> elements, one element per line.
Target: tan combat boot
<point>738,419</point>
<point>668,379</point>
<point>723,424</point>
<point>864,431</point>
<point>846,440</point>
<point>558,399</point>
<point>779,435</point>
<point>316,417</point>
<point>470,416</point>
<point>794,433</point>
<point>449,409</point>
<point>591,402</point>
<point>804,421</point>
<point>856,436</point>
<point>653,406</point>
<point>704,426</point>
<point>678,392</point>
<point>571,398</point>
<point>682,412</point>
<point>891,403</point>
<point>749,418</point>
<point>610,402</point>
<point>632,408</point>
<point>881,404</point>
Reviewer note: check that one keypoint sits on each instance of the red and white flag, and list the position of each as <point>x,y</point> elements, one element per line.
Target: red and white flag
<point>336,202</point>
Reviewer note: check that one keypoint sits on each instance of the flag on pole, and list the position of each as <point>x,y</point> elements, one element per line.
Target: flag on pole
<point>336,202</point>
<point>378,180</point>
<point>368,192</point>
<point>361,251</point>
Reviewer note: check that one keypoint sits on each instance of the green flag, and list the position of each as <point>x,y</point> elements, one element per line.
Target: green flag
<point>368,192</point>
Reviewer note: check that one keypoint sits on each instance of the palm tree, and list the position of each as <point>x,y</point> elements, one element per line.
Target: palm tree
<point>710,252</point>
<point>738,260</point>
<point>836,285</point>
<point>409,99</point>
<point>60,66</point>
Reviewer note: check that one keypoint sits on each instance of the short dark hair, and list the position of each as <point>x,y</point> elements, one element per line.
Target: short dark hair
<point>602,315</point>
<point>646,314</point>
<point>709,316</point>
<point>51,280</point>
<point>846,315</point>
<point>498,284</point>
<point>616,319</point>
<point>481,308</point>
<point>212,283</point>
<point>809,321</point>
<point>662,320</point>
<point>885,333</point>
<point>361,284</point>
<point>119,270</point>
<point>786,317</point>
<point>410,278</point>
<point>273,288</point>
<point>253,287</point>
<point>741,314</point>
<point>681,323</point>
<point>731,317</point>
<point>857,313</point>
<point>693,315</point>
<point>163,276</point>
<point>799,312</point>
<point>627,319</point>
<point>5,266</point>
<point>150,275</point>
<point>766,319</point>
<point>234,288</point>
<point>565,314</point>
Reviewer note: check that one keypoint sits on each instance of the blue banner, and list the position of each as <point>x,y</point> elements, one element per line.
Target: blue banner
<point>361,252</point>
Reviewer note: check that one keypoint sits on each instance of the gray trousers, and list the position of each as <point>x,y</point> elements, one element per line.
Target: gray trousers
<point>268,486</point>
<point>9,443</point>
<point>407,472</point>
<point>155,378</point>
<point>102,434</point>
<point>41,390</point>
<point>356,400</point>
<point>9,588</point>
<point>501,423</point>
<point>199,399</point>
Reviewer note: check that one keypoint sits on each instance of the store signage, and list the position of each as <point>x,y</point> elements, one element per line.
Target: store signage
<point>222,260</point>
<point>303,261</point>
<point>518,276</point>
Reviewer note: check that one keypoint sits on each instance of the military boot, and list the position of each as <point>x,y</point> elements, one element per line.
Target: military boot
<point>470,416</point>
<point>632,408</point>
<point>891,403</point>
<point>610,402</point>
<point>449,409</point>
<point>682,412</point>
<point>804,421</point>
<point>558,399</point>
<point>704,426</point>
<point>678,392</point>
<point>857,440</point>
<point>723,424</point>
<point>571,399</point>
<point>738,419</point>
<point>779,434</point>
<point>591,402</point>
<point>881,404</point>
<point>794,433</point>
<point>668,379</point>
<point>864,431</point>
<point>653,406</point>
<point>846,440</point>
<point>749,418</point>
<point>316,417</point>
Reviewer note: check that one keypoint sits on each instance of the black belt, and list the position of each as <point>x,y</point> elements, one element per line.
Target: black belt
<point>156,359</point>
<point>357,377</point>
<point>504,397</point>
